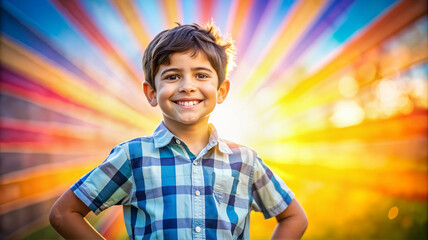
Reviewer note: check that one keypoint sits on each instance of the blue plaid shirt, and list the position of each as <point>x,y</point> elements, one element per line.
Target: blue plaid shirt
<point>169,193</point>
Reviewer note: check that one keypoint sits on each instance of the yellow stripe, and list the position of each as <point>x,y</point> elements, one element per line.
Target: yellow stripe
<point>35,181</point>
<point>172,12</point>
<point>127,9</point>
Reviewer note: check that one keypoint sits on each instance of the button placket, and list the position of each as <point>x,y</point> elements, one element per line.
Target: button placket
<point>198,204</point>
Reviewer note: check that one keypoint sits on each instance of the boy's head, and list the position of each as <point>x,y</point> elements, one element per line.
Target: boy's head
<point>185,69</point>
<point>188,38</point>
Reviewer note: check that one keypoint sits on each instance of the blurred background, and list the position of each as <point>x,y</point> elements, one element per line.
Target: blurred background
<point>331,93</point>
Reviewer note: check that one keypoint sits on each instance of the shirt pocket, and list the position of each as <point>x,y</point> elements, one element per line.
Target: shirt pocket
<point>229,190</point>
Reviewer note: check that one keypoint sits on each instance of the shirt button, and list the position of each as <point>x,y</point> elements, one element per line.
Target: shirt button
<point>194,163</point>
<point>177,141</point>
<point>197,193</point>
<point>197,229</point>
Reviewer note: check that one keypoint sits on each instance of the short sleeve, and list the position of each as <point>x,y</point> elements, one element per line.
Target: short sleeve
<point>108,184</point>
<point>271,195</point>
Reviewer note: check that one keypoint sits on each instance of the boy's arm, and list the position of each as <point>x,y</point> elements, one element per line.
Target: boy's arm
<point>67,217</point>
<point>292,222</point>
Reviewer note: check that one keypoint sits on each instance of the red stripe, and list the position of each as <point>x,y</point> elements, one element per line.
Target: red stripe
<point>206,11</point>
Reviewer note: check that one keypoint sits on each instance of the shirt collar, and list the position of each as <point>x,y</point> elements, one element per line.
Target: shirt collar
<point>162,137</point>
<point>215,140</point>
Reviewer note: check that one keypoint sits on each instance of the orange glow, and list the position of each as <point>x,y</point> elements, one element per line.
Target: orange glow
<point>393,213</point>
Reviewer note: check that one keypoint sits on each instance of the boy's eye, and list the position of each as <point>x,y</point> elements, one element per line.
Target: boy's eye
<point>172,77</point>
<point>201,75</point>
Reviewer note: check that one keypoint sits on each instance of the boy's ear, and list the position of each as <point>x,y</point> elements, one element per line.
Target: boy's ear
<point>222,91</point>
<point>150,94</point>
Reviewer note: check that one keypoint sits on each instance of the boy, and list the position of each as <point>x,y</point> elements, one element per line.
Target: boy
<point>184,181</point>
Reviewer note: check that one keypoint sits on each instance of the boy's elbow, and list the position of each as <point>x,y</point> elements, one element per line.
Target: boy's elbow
<point>300,222</point>
<point>59,216</point>
<point>302,218</point>
<point>305,222</point>
<point>55,217</point>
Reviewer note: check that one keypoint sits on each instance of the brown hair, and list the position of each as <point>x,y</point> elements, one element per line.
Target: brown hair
<point>183,38</point>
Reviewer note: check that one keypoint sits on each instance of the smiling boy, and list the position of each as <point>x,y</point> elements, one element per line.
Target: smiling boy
<point>183,182</point>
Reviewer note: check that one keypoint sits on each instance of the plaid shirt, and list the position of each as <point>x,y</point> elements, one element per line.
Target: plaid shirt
<point>169,193</point>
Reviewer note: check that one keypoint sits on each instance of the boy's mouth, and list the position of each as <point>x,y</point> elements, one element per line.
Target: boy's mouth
<point>187,103</point>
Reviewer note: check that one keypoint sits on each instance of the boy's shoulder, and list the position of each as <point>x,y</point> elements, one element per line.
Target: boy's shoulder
<point>145,139</point>
<point>237,148</point>
<point>144,144</point>
<point>232,144</point>
<point>139,140</point>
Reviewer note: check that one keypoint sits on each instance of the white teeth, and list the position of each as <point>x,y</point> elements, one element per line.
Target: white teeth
<point>187,103</point>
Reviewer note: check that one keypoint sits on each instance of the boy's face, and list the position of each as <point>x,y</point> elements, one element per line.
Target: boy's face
<point>187,89</point>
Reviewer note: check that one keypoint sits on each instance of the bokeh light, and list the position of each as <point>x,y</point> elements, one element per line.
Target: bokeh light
<point>333,95</point>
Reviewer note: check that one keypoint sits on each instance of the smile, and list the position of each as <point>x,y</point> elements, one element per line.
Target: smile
<point>188,103</point>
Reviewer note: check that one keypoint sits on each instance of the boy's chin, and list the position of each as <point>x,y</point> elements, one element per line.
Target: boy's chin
<point>192,121</point>
<point>189,121</point>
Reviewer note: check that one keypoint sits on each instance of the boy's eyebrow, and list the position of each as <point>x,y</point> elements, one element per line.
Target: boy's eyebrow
<point>170,70</point>
<point>201,68</point>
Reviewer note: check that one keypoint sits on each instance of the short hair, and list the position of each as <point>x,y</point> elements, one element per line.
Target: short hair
<point>184,38</point>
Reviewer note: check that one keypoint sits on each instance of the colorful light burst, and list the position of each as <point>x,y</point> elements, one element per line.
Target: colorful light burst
<point>331,93</point>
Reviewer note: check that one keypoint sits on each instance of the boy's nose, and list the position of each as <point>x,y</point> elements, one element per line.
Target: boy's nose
<point>187,86</point>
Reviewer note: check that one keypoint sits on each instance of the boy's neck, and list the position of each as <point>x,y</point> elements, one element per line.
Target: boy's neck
<point>196,136</point>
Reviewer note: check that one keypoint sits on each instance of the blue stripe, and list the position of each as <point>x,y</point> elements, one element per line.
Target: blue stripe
<point>334,10</point>
<point>150,10</point>
<point>35,40</point>
<point>211,213</point>
<point>135,153</point>
<point>81,181</point>
<point>356,19</point>
<point>220,12</point>
<point>169,228</point>
<point>191,155</point>
<point>117,181</point>
<point>235,163</point>
<point>230,210</point>
<point>134,213</point>
<point>122,175</point>
<point>275,182</point>
<point>277,185</point>
<point>170,199</point>
<point>110,25</point>
<point>189,11</point>
<point>281,191</point>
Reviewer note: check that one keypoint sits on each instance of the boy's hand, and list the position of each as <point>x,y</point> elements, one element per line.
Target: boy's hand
<point>67,217</point>
<point>292,222</point>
